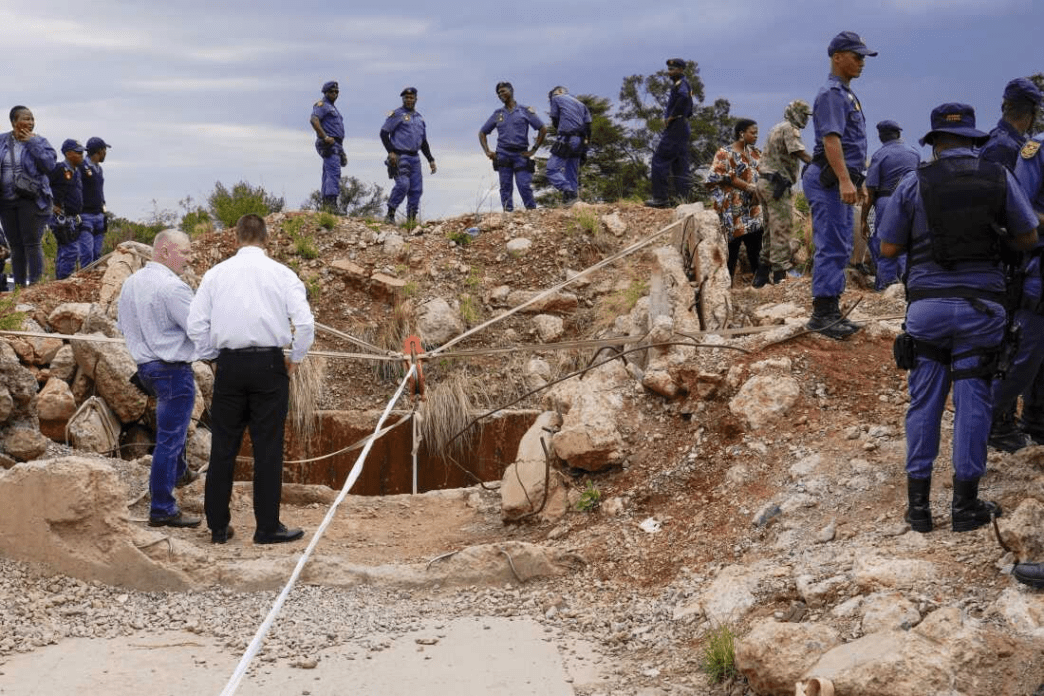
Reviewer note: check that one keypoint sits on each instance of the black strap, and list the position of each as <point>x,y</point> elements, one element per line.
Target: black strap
<point>914,294</point>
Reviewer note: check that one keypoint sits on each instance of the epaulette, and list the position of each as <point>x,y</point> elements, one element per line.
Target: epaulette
<point>318,103</point>
<point>1029,150</point>
<point>530,109</point>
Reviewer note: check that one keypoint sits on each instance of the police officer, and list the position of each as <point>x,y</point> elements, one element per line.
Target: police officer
<point>1021,99</point>
<point>93,214</point>
<point>75,242</point>
<point>888,165</point>
<point>671,159</point>
<point>403,134</point>
<point>329,142</point>
<point>513,158</point>
<point>572,121</point>
<point>951,216</point>
<point>833,182</point>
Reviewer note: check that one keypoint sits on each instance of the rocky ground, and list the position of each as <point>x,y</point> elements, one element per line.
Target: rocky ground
<point>786,529</point>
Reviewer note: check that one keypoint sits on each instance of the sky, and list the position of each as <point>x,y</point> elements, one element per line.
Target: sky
<point>189,93</point>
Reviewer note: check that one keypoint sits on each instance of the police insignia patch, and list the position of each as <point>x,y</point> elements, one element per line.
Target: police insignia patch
<point>1029,150</point>
<point>390,114</point>
<point>68,174</point>
<point>530,109</point>
<point>405,117</point>
<point>318,103</point>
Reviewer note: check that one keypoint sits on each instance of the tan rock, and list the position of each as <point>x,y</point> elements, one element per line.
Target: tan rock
<point>126,258</point>
<point>1023,530</point>
<point>95,428</point>
<point>525,481</point>
<point>111,366</point>
<point>6,403</point>
<point>63,364</point>
<point>24,444</point>
<point>773,656</point>
<point>68,318</point>
<point>556,303</point>
<point>55,405</point>
<point>765,398</point>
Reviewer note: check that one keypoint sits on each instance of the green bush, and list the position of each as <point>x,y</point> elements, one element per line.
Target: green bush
<point>227,206</point>
<point>10,320</point>
<point>590,499</point>
<point>327,220</point>
<point>196,222</point>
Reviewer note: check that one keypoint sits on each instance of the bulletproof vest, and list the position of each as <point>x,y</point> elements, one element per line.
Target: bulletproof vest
<point>964,199</point>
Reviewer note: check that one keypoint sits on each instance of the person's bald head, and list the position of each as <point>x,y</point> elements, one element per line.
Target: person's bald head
<point>173,249</point>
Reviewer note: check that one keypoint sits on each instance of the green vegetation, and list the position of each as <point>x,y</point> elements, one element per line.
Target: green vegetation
<point>462,238</point>
<point>718,660</point>
<point>327,220</point>
<point>409,289</point>
<point>10,320</point>
<point>294,225</point>
<point>305,248</point>
<point>228,205</point>
<point>590,499</point>
<point>474,279</point>
<point>355,199</point>
<point>314,287</point>
<point>586,221</point>
<point>470,311</point>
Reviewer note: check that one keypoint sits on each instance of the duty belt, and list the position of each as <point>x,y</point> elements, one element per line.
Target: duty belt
<point>411,153</point>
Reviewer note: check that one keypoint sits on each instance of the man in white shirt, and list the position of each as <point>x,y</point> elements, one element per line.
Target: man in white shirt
<point>242,315</point>
<point>154,307</point>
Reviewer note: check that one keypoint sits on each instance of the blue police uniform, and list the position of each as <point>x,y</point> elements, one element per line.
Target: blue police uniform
<point>887,166</point>
<point>965,326</point>
<point>75,242</point>
<point>670,161</point>
<point>405,134</point>
<point>836,111</point>
<point>333,125</point>
<point>513,140</point>
<point>572,121</point>
<point>93,215</point>
<point>1003,146</point>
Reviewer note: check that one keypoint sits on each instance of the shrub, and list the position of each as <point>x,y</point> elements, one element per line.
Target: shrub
<point>227,206</point>
<point>469,309</point>
<point>590,499</point>
<point>10,320</point>
<point>718,660</point>
<point>196,222</point>
<point>327,220</point>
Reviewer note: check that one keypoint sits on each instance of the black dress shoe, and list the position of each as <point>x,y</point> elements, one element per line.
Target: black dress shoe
<point>1031,574</point>
<point>185,479</point>
<point>657,203</point>
<point>220,536</point>
<point>279,535</point>
<point>176,520</point>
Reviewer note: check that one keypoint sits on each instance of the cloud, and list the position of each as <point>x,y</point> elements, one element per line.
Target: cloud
<point>950,8</point>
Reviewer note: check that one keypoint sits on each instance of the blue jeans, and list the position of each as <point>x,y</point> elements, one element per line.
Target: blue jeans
<point>954,324</point>
<point>833,224</point>
<point>175,388</point>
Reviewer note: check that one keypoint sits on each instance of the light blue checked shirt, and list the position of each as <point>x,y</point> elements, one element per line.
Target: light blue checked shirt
<point>154,307</point>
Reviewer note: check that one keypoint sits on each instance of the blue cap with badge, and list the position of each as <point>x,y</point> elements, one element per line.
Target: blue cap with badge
<point>94,144</point>
<point>849,41</point>
<point>71,145</point>
<point>1022,89</point>
<point>327,86</point>
<point>955,119</point>
<point>676,63</point>
<point>408,90</point>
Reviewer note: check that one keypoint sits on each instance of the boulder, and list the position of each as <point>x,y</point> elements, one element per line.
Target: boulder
<point>764,398</point>
<point>55,405</point>
<point>1023,530</point>
<point>204,380</point>
<point>68,318</point>
<point>889,611</point>
<point>536,374</point>
<point>63,364</point>
<point>731,595</point>
<point>615,224</point>
<point>95,428</point>
<point>35,350</point>
<point>125,259</point>
<point>110,366</point>
<point>519,246</point>
<point>548,327</point>
<point>589,438</point>
<point>197,448</point>
<point>21,387</point>
<point>24,444</point>
<point>525,481</point>
<point>774,655</point>
<point>704,246</point>
<point>438,322</point>
<point>7,403</point>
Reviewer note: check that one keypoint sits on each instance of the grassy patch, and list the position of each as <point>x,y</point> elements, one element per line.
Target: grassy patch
<point>469,310</point>
<point>10,320</point>
<point>326,220</point>
<point>462,238</point>
<point>718,658</point>
<point>590,499</point>
<point>586,221</point>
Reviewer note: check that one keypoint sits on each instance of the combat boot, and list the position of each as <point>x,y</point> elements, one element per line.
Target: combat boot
<point>569,198</point>
<point>1032,424</point>
<point>761,276</point>
<point>967,511</point>
<point>390,217</point>
<point>826,319</point>
<point>919,511</point>
<point>1005,434</point>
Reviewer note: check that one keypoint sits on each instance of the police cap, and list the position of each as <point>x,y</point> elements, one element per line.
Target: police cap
<point>72,145</point>
<point>94,144</point>
<point>676,63</point>
<point>849,41</point>
<point>332,84</point>
<point>1022,89</point>
<point>408,90</point>
<point>888,125</point>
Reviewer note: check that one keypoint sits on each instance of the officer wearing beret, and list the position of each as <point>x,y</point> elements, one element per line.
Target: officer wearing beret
<point>403,135</point>
<point>833,182</point>
<point>93,178</point>
<point>951,217</point>
<point>888,165</point>
<point>329,142</point>
<point>1021,99</point>
<point>513,157</point>
<point>572,121</point>
<point>75,242</point>
<point>670,161</point>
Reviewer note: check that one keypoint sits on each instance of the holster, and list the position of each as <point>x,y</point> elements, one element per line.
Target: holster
<point>828,179</point>
<point>65,233</point>
<point>904,350</point>
<point>780,185</point>
<point>393,169</point>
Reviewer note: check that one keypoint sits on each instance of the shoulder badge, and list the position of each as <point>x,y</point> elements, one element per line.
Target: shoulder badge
<point>406,117</point>
<point>318,103</point>
<point>530,109</point>
<point>500,116</point>
<point>390,114</point>
<point>1029,150</point>
<point>68,175</point>
<point>88,171</point>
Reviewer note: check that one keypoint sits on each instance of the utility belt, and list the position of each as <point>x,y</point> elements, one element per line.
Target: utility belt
<point>828,179</point>
<point>514,149</point>
<point>780,184</point>
<point>528,164</point>
<point>411,153</point>
<point>563,148</point>
<point>92,211</point>
<point>65,228</point>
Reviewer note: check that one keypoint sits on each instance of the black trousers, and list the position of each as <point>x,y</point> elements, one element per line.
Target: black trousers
<point>751,240</point>
<point>251,389</point>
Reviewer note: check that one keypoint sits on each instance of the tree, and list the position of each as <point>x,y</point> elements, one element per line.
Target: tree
<point>227,206</point>
<point>1038,122</point>
<point>355,199</point>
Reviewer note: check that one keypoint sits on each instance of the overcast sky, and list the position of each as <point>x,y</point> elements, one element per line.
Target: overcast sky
<point>192,92</point>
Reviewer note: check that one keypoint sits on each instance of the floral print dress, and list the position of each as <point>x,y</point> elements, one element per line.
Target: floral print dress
<point>740,211</point>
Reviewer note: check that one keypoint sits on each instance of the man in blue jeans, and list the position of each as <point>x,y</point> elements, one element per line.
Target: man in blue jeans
<point>154,306</point>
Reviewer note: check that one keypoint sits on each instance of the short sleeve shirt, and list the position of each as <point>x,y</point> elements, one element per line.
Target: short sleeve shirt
<point>837,111</point>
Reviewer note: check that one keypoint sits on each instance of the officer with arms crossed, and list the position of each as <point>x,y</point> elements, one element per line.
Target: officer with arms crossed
<point>513,158</point>
<point>242,315</point>
<point>93,215</point>
<point>403,134</point>
<point>572,121</point>
<point>833,182</point>
<point>670,162</point>
<point>889,164</point>
<point>154,307</point>
<point>329,142</point>
<point>951,217</point>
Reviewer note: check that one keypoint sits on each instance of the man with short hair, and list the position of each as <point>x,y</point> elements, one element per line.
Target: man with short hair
<point>1018,110</point>
<point>247,309</point>
<point>513,159</point>
<point>403,135</point>
<point>951,218</point>
<point>778,171</point>
<point>833,182</point>
<point>328,124</point>
<point>572,121</point>
<point>670,161</point>
<point>75,243</point>
<point>93,178</point>
<point>154,306</point>
<point>888,165</point>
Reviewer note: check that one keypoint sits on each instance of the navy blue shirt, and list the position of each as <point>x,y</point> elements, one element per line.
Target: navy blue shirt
<point>406,129</point>
<point>837,111</point>
<point>1003,146</point>
<point>513,126</point>
<point>329,118</point>
<point>93,186</point>
<point>904,222</point>
<point>67,186</point>
<point>570,115</point>
<point>679,103</point>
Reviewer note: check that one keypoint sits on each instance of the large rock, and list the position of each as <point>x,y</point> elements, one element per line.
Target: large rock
<point>773,656</point>
<point>35,350</point>
<point>197,448</point>
<point>126,258</point>
<point>110,365</point>
<point>204,380</point>
<point>889,611</point>
<point>63,364</point>
<point>438,322</point>
<point>68,318</point>
<point>95,428</point>
<point>704,245</point>
<point>555,303</point>
<point>24,444</point>
<point>589,438</point>
<point>732,594</point>
<point>21,387</point>
<point>548,327</point>
<point>55,405</point>
<point>872,572</point>
<point>525,481</point>
<point>764,398</point>
<point>7,403</point>
<point>1023,530</point>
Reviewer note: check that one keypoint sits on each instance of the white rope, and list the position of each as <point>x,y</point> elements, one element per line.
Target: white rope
<point>259,637</point>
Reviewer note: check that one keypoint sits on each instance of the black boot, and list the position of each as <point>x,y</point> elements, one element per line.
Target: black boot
<point>1005,434</point>
<point>761,276</point>
<point>826,319</point>
<point>1032,424</point>
<point>390,217</point>
<point>919,512</point>
<point>330,203</point>
<point>968,511</point>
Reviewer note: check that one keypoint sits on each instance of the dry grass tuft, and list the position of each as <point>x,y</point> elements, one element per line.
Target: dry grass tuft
<point>446,411</point>
<point>306,390</point>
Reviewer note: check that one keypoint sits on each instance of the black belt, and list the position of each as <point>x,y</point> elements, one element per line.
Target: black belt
<point>251,349</point>
<point>512,148</point>
<point>93,211</point>
<point>411,153</point>
<point>569,134</point>
<point>164,362</point>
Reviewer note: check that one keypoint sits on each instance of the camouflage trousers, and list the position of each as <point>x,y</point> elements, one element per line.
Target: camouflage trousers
<point>779,227</point>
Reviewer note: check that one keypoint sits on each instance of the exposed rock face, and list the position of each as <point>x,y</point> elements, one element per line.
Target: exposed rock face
<point>615,224</point>
<point>24,444</point>
<point>548,327</point>
<point>519,247</point>
<point>1022,530</point>
<point>523,487</point>
<point>774,656</point>
<point>537,373</point>
<point>126,258</point>
<point>63,365</point>
<point>589,438</point>
<point>765,397</point>
<point>68,318</point>
<point>438,322</point>
<point>705,245</point>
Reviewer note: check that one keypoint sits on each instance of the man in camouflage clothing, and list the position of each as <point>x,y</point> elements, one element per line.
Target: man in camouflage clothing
<point>779,169</point>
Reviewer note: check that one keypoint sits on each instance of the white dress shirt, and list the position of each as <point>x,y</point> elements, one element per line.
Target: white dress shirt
<point>248,301</point>
<point>154,307</point>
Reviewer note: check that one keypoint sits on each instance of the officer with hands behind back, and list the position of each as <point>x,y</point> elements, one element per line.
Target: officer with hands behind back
<point>670,162</point>
<point>75,242</point>
<point>328,124</point>
<point>951,217</point>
